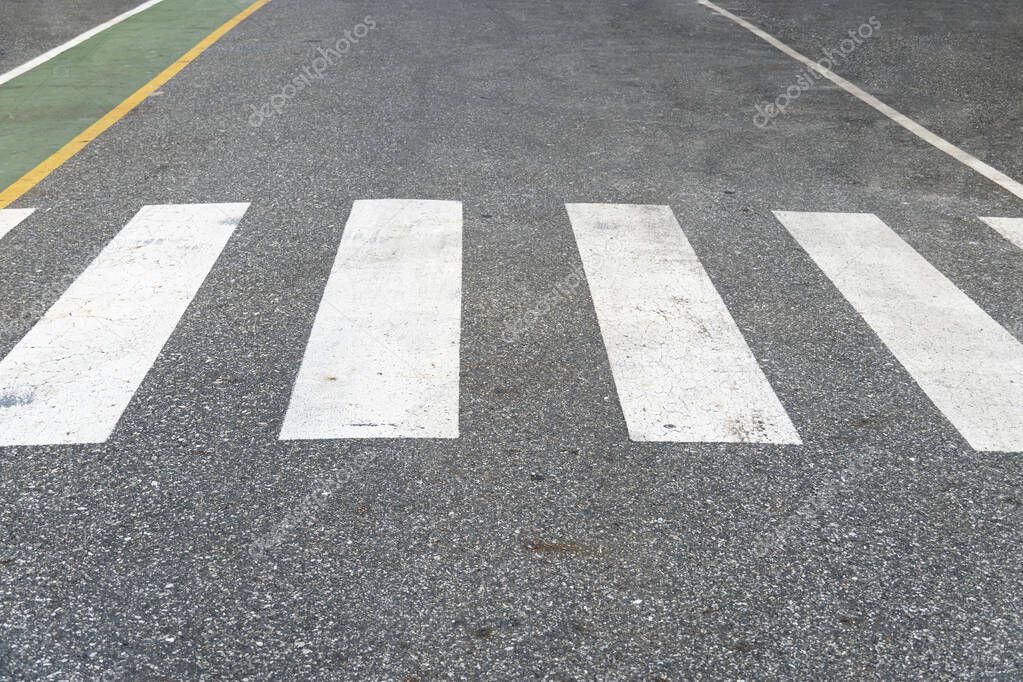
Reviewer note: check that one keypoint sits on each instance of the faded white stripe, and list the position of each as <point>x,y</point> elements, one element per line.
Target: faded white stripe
<point>969,365</point>
<point>71,377</point>
<point>383,356</point>
<point>10,217</point>
<point>1010,228</point>
<point>683,371</point>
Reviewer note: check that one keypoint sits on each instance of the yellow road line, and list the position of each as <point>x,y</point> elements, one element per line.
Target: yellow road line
<point>36,175</point>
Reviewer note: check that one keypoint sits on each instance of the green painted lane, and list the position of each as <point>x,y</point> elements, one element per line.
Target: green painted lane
<point>42,110</point>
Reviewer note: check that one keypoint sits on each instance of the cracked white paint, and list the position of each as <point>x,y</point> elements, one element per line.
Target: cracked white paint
<point>966,363</point>
<point>11,217</point>
<point>1010,228</point>
<point>683,370</point>
<point>383,356</point>
<point>73,374</point>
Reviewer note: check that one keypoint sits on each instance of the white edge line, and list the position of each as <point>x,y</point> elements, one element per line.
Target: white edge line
<point>50,54</point>
<point>992,174</point>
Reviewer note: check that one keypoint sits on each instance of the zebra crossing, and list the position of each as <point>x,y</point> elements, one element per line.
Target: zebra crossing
<point>1010,228</point>
<point>382,360</point>
<point>12,217</point>
<point>681,366</point>
<point>383,355</point>
<point>967,364</point>
<point>73,374</point>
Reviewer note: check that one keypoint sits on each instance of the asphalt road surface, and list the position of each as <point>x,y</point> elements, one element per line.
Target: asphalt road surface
<point>609,374</point>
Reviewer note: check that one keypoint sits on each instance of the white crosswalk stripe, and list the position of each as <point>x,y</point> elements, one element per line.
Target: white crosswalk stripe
<point>683,371</point>
<point>383,356</point>
<point>73,374</point>
<point>11,217</point>
<point>1010,228</point>
<point>969,366</point>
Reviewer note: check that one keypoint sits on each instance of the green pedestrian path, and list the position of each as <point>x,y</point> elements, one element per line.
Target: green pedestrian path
<point>45,108</point>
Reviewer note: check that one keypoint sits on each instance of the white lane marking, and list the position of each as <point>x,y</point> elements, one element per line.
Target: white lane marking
<point>966,363</point>
<point>996,176</point>
<point>73,374</point>
<point>1010,228</point>
<point>50,54</point>
<point>383,356</point>
<point>684,372</point>
<point>11,217</point>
